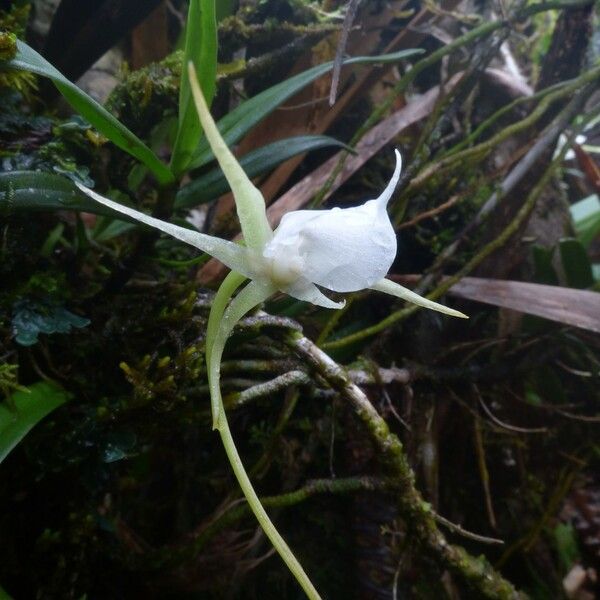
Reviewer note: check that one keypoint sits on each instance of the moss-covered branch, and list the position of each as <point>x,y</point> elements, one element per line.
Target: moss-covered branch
<point>476,573</point>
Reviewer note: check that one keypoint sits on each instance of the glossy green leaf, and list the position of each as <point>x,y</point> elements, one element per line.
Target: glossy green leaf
<point>240,120</point>
<point>586,219</point>
<point>257,162</point>
<point>24,409</point>
<point>576,263</point>
<point>28,59</point>
<point>36,190</point>
<point>201,50</point>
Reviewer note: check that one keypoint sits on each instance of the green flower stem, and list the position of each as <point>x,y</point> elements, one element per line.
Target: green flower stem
<point>252,295</point>
<point>261,515</point>
<point>231,283</point>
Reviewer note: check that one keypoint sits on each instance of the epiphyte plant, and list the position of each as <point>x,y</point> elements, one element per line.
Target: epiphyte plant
<point>342,250</point>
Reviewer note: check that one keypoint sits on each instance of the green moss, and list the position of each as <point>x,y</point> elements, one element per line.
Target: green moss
<point>8,45</point>
<point>148,96</point>
<point>14,20</point>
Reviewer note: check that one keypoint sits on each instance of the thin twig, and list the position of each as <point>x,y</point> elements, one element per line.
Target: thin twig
<point>467,534</point>
<point>504,425</point>
<point>430,213</point>
<point>483,470</point>
<point>268,388</point>
<point>341,49</point>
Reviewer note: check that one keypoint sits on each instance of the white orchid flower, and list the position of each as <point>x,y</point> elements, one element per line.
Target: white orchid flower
<point>342,250</point>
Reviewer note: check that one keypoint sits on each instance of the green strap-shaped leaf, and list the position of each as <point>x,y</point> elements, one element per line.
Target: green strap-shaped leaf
<point>27,59</point>
<point>257,162</point>
<point>240,120</point>
<point>201,50</point>
<point>36,190</point>
<point>25,409</point>
<point>39,191</point>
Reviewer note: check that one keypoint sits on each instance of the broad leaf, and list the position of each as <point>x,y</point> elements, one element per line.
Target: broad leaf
<point>25,409</point>
<point>201,50</point>
<point>28,59</point>
<point>211,185</point>
<point>240,120</point>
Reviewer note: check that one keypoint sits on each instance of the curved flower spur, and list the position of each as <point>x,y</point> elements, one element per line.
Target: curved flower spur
<point>341,249</point>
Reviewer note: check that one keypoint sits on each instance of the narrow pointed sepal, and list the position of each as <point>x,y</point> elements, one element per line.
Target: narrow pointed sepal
<point>249,201</point>
<point>385,196</point>
<point>395,289</point>
<point>230,254</point>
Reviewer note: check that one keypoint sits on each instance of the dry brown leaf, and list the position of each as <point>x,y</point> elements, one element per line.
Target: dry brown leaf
<point>580,308</point>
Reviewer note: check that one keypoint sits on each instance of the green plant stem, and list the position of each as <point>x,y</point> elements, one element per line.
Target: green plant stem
<point>491,120</point>
<point>261,515</point>
<point>252,295</point>
<point>231,283</point>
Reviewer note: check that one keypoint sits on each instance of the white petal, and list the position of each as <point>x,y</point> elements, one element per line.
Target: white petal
<point>395,289</point>
<point>230,254</point>
<point>304,290</point>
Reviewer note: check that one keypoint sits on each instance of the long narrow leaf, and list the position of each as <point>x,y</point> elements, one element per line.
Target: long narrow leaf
<point>28,59</point>
<point>35,190</point>
<point>580,308</point>
<point>201,50</point>
<point>240,120</point>
<point>212,184</point>
<point>25,409</point>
